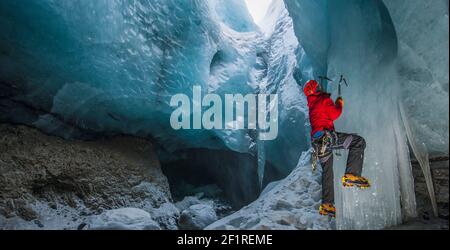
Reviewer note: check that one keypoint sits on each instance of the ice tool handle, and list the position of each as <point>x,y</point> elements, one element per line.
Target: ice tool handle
<point>343,80</point>
<point>322,79</point>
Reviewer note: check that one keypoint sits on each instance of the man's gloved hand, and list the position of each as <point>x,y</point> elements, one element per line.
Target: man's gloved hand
<point>340,101</point>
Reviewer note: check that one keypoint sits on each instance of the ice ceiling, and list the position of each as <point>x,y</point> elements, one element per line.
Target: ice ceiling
<point>85,69</point>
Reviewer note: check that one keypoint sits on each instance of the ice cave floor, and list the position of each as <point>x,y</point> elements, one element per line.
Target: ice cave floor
<point>50,183</point>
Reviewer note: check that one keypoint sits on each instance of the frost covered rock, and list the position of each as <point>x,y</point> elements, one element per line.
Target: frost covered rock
<point>187,202</point>
<point>167,216</point>
<point>123,219</point>
<point>292,204</point>
<point>197,217</point>
<point>150,194</point>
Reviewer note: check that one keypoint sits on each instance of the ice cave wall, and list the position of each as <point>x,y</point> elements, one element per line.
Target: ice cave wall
<point>363,42</point>
<point>83,69</point>
<point>421,34</point>
<point>235,14</point>
<point>423,63</point>
<point>76,68</point>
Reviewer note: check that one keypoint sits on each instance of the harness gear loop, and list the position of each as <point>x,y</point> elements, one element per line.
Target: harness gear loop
<point>323,147</point>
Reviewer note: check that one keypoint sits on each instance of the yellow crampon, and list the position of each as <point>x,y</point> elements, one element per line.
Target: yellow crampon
<point>350,180</point>
<point>327,209</point>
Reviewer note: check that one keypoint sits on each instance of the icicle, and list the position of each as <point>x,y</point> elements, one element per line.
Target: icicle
<point>405,175</point>
<point>421,153</point>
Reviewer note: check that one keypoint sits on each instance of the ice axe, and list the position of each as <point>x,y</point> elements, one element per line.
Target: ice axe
<point>322,79</point>
<point>341,81</point>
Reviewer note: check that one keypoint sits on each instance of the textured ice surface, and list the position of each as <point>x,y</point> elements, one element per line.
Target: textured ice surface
<point>234,13</point>
<point>422,30</point>
<point>371,111</point>
<point>112,66</point>
<point>279,76</point>
<point>311,20</point>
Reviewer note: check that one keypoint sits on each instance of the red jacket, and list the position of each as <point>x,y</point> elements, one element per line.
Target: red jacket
<point>322,110</point>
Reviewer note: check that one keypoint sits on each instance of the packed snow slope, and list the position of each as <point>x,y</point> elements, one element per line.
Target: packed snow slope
<point>84,69</point>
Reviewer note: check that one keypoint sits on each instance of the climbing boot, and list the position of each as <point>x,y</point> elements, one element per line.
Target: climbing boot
<point>328,209</point>
<point>350,180</point>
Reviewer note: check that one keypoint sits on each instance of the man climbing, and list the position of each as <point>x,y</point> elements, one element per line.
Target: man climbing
<point>323,112</point>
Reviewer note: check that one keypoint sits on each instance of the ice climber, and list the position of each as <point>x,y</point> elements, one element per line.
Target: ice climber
<point>323,112</point>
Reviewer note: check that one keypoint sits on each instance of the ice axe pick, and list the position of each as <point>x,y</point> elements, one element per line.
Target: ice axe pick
<point>343,80</point>
<point>322,79</point>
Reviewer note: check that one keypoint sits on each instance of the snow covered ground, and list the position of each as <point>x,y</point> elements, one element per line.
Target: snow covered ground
<point>291,204</point>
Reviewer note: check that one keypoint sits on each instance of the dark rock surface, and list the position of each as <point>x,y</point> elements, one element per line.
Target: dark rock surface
<point>426,220</point>
<point>51,183</point>
<point>197,217</point>
<point>439,171</point>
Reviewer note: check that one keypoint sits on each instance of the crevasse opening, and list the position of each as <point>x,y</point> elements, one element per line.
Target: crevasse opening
<point>258,9</point>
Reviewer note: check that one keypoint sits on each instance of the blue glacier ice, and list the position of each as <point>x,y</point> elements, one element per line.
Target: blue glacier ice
<point>112,66</point>
<point>85,69</point>
<point>422,30</point>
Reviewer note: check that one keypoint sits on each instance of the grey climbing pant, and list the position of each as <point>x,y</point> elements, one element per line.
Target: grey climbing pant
<point>356,146</point>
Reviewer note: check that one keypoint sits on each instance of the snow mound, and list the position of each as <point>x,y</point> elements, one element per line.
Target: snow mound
<point>123,219</point>
<point>290,205</point>
<point>197,217</point>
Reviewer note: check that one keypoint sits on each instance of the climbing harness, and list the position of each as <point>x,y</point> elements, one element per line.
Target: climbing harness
<point>323,145</point>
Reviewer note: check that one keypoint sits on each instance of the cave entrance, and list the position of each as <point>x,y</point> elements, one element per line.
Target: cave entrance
<point>221,174</point>
<point>258,9</point>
